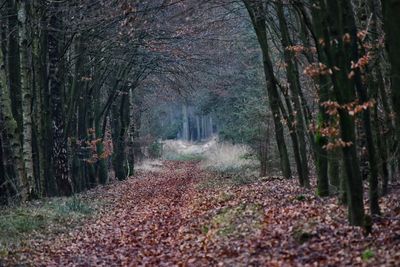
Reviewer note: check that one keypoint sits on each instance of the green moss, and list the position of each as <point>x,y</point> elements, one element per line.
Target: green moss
<point>367,254</point>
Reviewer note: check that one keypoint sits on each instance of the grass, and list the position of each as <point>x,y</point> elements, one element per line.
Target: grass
<point>185,151</point>
<point>217,157</point>
<point>183,157</point>
<point>236,221</point>
<point>228,158</point>
<point>367,255</point>
<point>41,218</point>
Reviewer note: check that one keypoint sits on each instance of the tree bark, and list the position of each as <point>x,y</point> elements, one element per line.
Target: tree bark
<point>256,12</point>
<point>26,93</point>
<point>60,147</point>
<point>391,11</point>
<point>339,51</point>
<point>11,129</point>
<point>298,123</point>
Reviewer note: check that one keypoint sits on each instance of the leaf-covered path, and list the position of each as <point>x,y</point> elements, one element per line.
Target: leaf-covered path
<point>141,226</point>
<point>183,216</point>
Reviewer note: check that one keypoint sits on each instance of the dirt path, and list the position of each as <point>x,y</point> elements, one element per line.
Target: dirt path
<point>140,227</point>
<point>183,216</point>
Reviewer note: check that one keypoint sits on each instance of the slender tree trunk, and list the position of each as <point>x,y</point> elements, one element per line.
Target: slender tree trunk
<point>102,166</point>
<point>256,10</point>
<point>366,116</point>
<point>3,180</point>
<point>334,169</point>
<point>11,129</point>
<point>339,60</point>
<point>322,159</point>
<point>131,135</point>
<point>120,118</point>
<point>13,61</point>
<point>391,11</point>
<point>298,123</point>
<point>26,93</point>
<point>293,135</point>
<point>185,122</point>
<point>60,147</point>
<point>198,129</point>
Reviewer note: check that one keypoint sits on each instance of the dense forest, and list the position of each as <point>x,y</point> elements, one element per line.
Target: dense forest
<point>91,89</point>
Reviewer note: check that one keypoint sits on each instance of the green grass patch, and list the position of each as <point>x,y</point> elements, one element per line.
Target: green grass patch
<point>49,216</point>
<point>367,255</point>
<point>236,221</point>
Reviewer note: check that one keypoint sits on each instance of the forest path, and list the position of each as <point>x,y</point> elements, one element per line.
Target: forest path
<point>140,227</point>
<point>182,215</point>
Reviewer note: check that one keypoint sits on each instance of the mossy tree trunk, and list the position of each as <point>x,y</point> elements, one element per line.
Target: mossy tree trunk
<point>11,130</point>
<point>26,93</point>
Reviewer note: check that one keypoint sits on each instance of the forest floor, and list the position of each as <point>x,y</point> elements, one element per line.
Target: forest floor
<point>182,215</point>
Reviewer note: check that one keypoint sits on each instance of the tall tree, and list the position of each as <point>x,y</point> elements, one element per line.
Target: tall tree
<point>295,89</point>
<point>391,9</point>
<point>337,44</point>
<point>257,14</point>
<point>26,94</point>
<point>60,147</point>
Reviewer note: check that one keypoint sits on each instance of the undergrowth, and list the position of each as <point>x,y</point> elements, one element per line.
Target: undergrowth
<point>39,218</point>
<point>182,157</point>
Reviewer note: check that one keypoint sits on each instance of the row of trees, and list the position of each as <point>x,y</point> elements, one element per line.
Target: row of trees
<point>331,80</point>
<point>70,95</point>
<point>339,46</point>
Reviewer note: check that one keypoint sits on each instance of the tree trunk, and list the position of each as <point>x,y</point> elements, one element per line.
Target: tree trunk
<point>391,11</point>
<point>339,60</point>
<point>256,10</point>
<point>26,93</point>
<point>13,61</point>
<point>3,180</point>
<point>298,124</point>
<point>11,129</point>
<point>322,160</point>
<point>185,122</point>
<point>198,129</point>
<point>60,148</point>
<point>366,115</point>
<point>120,118</point>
